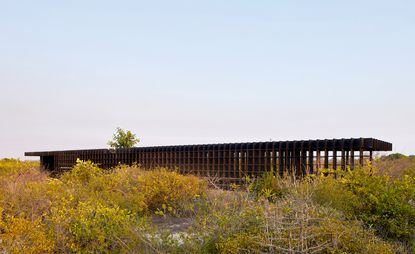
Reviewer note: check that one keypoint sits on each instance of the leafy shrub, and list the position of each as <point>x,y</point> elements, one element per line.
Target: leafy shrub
<point>87,209</point>
<point>396,167</point>
<point>92,228</point>
<point>381,202</point>
<point>330,192</point>
<point>90,210</point>
<point>82,173</point>
<point>299,224</point>
<point>19,235</point>
<point>160,190</point>
<point>169,192</point>
<point>12,166</point>
<point>113,188</point>
<point>270,186</point>
<point>291,225</point>
<point>350,236</point>
<point>231,223</point>
<point>24,189</point>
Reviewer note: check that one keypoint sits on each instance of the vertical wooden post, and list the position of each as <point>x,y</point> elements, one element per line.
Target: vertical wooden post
<point>149,156</point>
<point>188,154</point>
<point>179,164</point>
<point>174,160</point>
<point>352,162</point>
<point>326,155</point>
<point>343,159</point>
<point>223,161</point>
<point>218,166</point>
<point>255,160</point>
<point>208,159</point>
<point>140,157</point>
<point>193,160</point>
<point>227,160</point>
<point>249,158</point>
<point>274,163</point>
<point>189,168</point>
<point>213,172</point>
<point>347,158</point>
<point>287,160</point>
<point>361,155</point>
<point>334,159</point>
<point>231,159</point>
<point>351,154</point>
<point>220,161</point>
<point>310,158</point>
<point>260,160</point>
<point>303,162</point>
<point>197,160</point>
<point>293,163</point>
<point>243,166</point>
<point>168,156</point>
<point>160,152</point>
<point>152,157</point>
<point>143,157</point>
<point>167,151</point>
<point>186,168</point>
<point>267,157</point>
<point>281,162</point>
<point>202,155</point>
<point>318,167</point>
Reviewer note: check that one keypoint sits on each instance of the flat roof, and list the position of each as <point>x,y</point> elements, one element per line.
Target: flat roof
<point>367,144</point>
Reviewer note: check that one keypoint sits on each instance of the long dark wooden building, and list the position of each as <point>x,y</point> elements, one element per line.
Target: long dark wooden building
<point>229,161</point>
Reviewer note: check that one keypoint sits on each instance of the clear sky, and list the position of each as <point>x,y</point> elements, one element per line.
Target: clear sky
<point>188,72</point>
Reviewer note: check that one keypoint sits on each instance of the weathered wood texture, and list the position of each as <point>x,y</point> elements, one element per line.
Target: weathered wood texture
<point>229,161</point>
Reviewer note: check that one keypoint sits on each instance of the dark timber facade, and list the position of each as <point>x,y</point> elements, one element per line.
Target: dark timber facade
<point>229,161</point>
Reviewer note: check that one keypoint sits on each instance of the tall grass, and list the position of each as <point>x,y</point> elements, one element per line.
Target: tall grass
<point>90,210</point>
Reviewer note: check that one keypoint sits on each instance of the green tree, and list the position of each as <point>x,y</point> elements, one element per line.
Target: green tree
<point>123,139</point>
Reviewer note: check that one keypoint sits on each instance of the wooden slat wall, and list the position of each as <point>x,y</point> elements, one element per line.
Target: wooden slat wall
<point>230,161</point>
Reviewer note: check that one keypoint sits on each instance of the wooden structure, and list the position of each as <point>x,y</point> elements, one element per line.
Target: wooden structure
<point>229,161</point>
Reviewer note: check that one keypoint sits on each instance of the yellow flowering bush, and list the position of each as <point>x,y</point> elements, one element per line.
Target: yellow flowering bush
<point>91,210</point>
<point>20,235</point>
<point>169,192</point>
<point>86,209</point>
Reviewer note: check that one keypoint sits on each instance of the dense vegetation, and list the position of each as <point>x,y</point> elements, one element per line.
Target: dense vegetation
<point>130,210</point>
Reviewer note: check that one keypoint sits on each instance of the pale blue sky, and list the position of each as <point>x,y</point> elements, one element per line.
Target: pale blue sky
<point>186,72</point>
